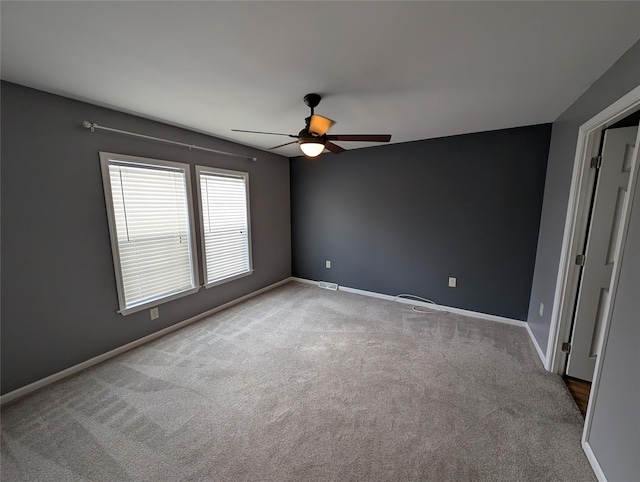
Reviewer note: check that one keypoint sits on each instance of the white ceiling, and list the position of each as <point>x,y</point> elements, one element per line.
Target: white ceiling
<point>415,70</point>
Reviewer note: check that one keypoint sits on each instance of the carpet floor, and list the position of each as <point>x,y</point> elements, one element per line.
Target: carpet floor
<point>305,384</point>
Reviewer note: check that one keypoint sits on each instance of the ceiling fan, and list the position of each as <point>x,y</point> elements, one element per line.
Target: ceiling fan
<point>313,139</point>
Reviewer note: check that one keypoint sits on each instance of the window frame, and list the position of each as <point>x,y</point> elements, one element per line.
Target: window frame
<point>110,158</point>
<point>223,173</point>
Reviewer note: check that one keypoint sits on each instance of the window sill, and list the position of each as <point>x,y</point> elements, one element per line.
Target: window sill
<point>159,301</point>
<point>225,280</point>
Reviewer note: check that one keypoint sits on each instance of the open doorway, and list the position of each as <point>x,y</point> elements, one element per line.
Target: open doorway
<point>611,172</point>
<point>604,168</point>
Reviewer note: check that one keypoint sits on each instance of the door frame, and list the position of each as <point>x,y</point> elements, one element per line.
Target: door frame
<point>589,136</point>
<point>615,279</point>
<point>588,145</point>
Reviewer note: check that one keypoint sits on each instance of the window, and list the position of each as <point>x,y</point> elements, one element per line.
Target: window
<point>151,225</point>
<point>225,226</point>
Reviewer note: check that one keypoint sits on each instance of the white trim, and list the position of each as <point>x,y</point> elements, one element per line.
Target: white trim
<point>160,301</point>
<point>536,345</point>
<point>303,280</point>
<point>459,311</point>
<point>566,282</point>
<point>32,387</point>
<point>595,465</point>
<point>574,234</point>
<point>371,294</point>
<point>226,280</point>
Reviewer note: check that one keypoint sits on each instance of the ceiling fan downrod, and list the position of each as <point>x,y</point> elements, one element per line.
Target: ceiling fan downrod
<point>312,100</point>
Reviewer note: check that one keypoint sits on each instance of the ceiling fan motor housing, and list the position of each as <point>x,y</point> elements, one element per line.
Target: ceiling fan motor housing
<point>312,100</point>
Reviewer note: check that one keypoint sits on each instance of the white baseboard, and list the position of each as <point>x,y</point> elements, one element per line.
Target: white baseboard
<point>450,309</point>
<point>302,280</point>
<point>595,465</point>
<point>32,387</point>
<point>538,349</point>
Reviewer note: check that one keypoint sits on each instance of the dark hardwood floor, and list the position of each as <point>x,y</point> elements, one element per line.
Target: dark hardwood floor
<point>579,391</point>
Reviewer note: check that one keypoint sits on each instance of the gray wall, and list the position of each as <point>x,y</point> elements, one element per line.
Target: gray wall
<point>402,218</point>
<point>58,286</point>
<point>616,420</point>
<point>620,79</point>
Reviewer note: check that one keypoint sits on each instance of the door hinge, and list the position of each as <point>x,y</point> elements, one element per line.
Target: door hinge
<point>566,347</point>
<point>580,259</point>
<point>596,162</point>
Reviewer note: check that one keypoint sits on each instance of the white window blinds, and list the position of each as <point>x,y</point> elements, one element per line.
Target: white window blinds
<point>151,224</point>
<point>224,202</point>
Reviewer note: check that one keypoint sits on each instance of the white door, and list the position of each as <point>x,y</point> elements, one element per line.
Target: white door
<point>593,295</point>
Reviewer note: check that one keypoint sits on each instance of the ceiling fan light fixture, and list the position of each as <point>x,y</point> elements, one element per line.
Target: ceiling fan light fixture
<point>311,147</point>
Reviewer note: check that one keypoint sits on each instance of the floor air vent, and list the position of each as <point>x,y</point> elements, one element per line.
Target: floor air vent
<point>327,286</point>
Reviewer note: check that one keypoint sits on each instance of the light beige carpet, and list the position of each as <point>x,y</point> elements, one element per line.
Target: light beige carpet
<point>304,384</point>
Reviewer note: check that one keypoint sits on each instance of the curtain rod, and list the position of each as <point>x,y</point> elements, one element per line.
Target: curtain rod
<point>93,126</point>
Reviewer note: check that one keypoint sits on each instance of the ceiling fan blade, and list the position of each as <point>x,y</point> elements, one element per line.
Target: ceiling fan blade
<point>282,145</point>
<point>259,132</point>
<point>333,147</point>
<point>319,125</point>
<point>360,137</point>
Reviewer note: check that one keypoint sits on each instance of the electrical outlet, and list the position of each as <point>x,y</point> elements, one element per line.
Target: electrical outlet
<point>327,264</point>
<point>452,282</point>
<point>541,309</point>
<point>154,312</point>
